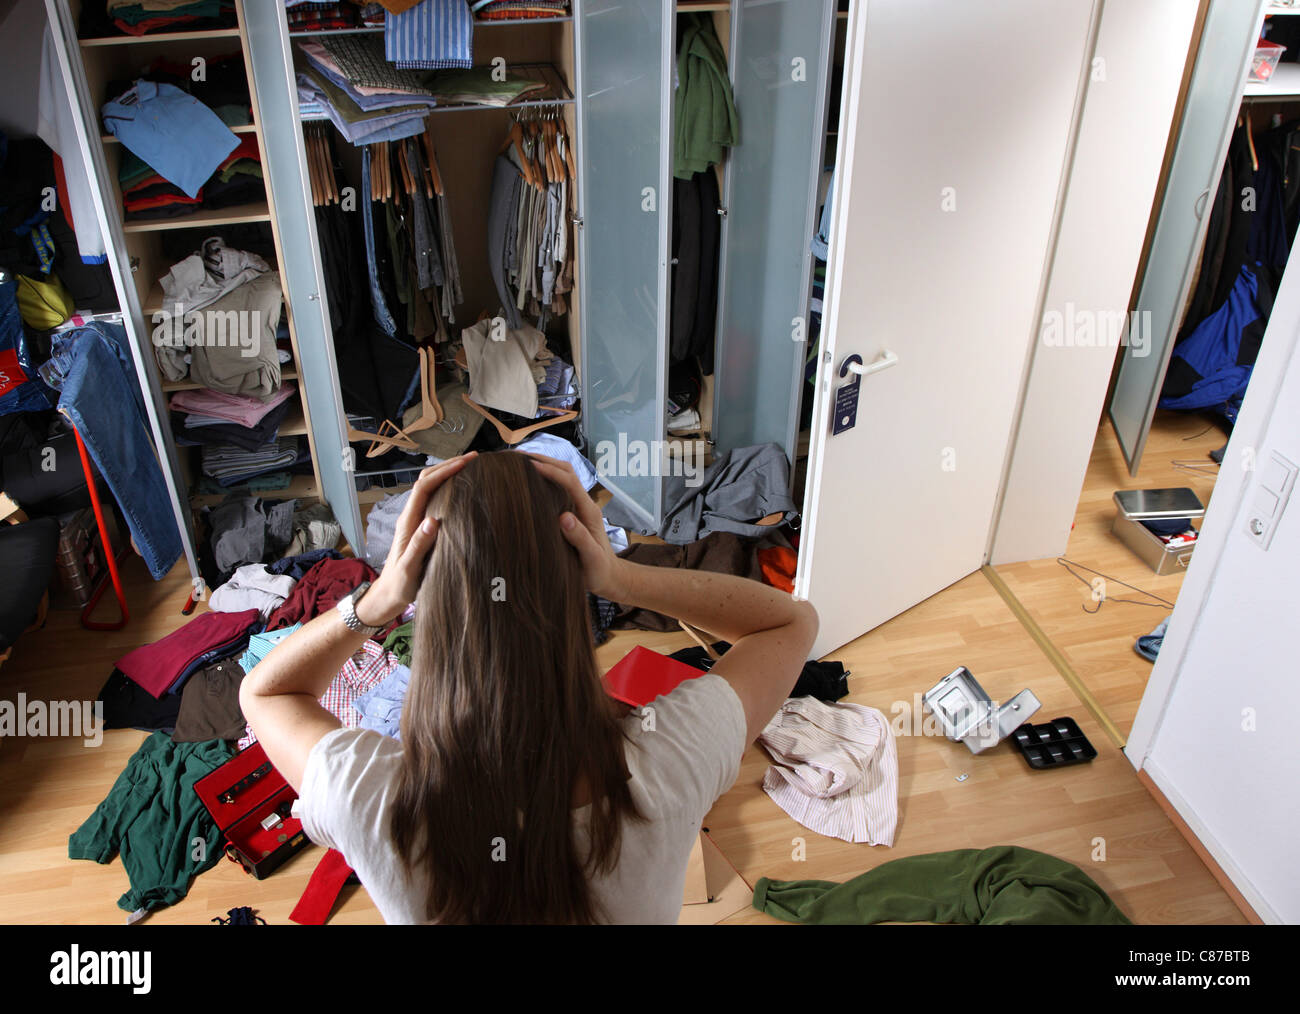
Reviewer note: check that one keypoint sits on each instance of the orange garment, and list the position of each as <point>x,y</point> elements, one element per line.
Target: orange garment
<point>778,565</point>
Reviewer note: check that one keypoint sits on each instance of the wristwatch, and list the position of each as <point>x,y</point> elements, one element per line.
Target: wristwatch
<point>347,607</point>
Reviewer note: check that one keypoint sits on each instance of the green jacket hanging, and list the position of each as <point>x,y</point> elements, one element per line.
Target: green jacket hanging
<point>704,110</point>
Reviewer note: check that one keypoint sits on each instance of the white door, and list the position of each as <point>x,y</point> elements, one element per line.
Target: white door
<point>955,126</point>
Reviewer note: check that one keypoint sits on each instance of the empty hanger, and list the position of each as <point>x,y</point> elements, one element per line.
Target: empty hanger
<point>513,437</point>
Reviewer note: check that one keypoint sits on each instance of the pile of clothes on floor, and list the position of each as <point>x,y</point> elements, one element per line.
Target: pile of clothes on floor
<point>184,689</point>
<point>181,154</point>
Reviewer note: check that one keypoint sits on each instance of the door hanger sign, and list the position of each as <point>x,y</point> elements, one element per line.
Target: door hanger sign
<point>846,398</point>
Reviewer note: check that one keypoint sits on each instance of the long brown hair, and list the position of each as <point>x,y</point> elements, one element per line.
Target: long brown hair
<point>505,710</point>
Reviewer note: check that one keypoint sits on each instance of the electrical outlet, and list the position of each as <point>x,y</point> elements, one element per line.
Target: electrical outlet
<point>1276,479</point>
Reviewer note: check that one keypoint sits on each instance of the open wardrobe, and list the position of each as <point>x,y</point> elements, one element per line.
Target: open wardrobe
<point>667,234</point>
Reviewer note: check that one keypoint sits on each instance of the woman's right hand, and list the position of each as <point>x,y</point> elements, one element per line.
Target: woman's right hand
<point>584,530</point>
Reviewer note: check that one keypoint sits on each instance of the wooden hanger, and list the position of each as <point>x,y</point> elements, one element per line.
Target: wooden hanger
<point>513,437</point>
<point>390,437</point>
<point>404,168</point>
<point>435,176</point>
<point>698,638</point>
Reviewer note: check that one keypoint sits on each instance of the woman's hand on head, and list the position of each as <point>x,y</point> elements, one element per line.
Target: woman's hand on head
<point>413,540</point>
<point>584,530</point>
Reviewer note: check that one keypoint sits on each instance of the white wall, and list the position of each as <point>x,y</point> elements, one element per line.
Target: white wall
<point>1231,657</point>
<point>1121,145</point>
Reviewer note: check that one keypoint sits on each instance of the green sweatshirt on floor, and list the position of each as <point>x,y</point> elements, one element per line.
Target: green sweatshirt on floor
<point>152,816</point>
<point>1003,885</point>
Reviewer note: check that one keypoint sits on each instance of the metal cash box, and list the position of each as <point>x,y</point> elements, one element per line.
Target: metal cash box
<point>1133,506</point>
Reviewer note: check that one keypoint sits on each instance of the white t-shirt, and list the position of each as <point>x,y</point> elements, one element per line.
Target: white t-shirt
<point>678,768</point>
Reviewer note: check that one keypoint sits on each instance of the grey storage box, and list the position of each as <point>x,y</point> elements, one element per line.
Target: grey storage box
<point>1133,506</point>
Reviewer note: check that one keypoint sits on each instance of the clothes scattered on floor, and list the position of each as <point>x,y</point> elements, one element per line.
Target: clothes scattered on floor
<point>721,553</point>
<point>296,566</point>
<point>252,586</point>
<point>260,645</point>
<point>320,590</point>
<point>164,665</point>
<point>779,563</point>
<point>364,671</point>
<point>827,681</point>
<point>381,707</point>
<point>210,704</point>
<point>398,641</point>
<point>1001,886</point>
<point>835,770</point>
<point>127,705</point>
<point>740,488</point>
<point>153,817</point>
<point>1148,645</point>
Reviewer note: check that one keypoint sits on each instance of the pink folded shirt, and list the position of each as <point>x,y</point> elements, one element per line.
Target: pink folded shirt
<point>237,408</point>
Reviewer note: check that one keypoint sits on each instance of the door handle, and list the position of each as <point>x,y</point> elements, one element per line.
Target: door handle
<point>854,365</point>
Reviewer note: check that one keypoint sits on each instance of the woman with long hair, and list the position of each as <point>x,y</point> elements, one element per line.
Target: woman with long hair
<point>519,792</point>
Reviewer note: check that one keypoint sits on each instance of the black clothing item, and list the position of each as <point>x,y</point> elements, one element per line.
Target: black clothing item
<point>28,168</point>
<point>827,681</point>
<point>127,705</point>
<point>28,551</point>
<point>297,566</point>
<point>603,613</point>
<point>697,233</point>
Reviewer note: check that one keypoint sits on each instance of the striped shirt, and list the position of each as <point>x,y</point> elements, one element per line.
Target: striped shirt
<point>835,770</point>
<point>433,33</point>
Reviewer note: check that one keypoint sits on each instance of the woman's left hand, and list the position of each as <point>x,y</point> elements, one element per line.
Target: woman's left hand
<point>399,581</point>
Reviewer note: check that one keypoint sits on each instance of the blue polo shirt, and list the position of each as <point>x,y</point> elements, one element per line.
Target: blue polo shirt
<point>177,135</point>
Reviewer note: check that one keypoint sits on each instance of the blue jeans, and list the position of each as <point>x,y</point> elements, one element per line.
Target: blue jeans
<point>92,368</point>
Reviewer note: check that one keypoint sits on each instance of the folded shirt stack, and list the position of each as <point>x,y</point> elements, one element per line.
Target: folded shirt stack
<point>519,10</point>
<point>366,98</point>
<point>230,465</point>
<point>180,152</point>
<point>320,17</point>
<point>141,17</point>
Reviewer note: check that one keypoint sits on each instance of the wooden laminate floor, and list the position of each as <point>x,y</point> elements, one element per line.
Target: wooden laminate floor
<point>1099,646</point>
<point>49,786</point>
